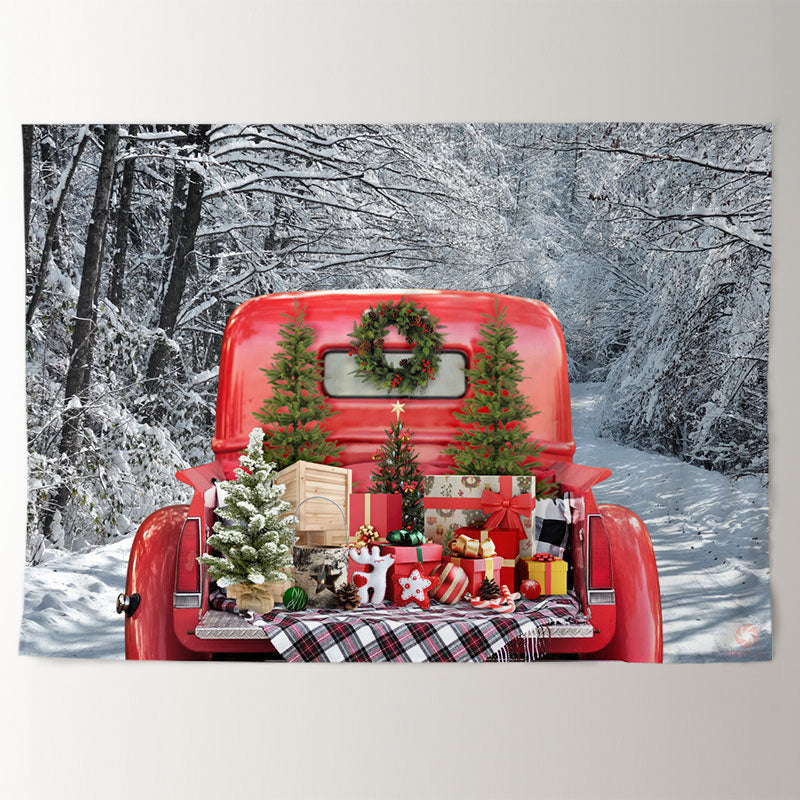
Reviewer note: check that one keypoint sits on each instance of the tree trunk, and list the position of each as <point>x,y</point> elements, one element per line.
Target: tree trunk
<point>50,237</point>
<point>27,180</point>
<point>87,363</point>
<point>79,372</point>
<point>573,191</point>
<point>175,218</point>
<point>116,289</point>
<point>50,171</point>
<point>179,267</point>
<point>77,379</point>
<point>176,211</point>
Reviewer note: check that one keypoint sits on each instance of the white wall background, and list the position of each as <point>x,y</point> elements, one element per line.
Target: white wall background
<point>92,729</point>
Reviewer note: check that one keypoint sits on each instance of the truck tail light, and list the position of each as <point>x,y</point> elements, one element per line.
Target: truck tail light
<point>188,577</point>
<point>599,554</point>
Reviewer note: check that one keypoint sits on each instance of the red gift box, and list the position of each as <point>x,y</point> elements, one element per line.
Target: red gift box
<point>506,544</point>
<point>383,511</point>
<point>479,568</point>
<point>406,559</point>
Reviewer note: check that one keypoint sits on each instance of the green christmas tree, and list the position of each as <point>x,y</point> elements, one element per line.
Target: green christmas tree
<point>493,437</point>
<point>293,416</point>
<point>398,471</point>
<point>254,534</point>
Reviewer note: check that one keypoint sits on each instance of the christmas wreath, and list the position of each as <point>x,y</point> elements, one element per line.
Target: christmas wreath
<point>420,330</point>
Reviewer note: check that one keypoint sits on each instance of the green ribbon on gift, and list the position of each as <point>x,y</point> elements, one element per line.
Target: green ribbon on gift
<point>406,538</point>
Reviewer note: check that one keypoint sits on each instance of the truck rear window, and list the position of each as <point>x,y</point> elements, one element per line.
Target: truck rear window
<point>339,379</point>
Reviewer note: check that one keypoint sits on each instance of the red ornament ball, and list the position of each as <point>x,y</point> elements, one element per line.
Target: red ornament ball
<point>530,589</point>
<point>453,583</point>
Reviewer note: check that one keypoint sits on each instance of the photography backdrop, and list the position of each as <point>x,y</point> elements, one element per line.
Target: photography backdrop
<point>650,242</point>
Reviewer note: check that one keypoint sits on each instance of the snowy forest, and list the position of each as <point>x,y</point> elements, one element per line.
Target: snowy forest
<point>651,242</point>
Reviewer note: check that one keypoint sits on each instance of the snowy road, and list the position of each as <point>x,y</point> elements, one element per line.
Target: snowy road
<point>69,604</point>
<point>710,535</point>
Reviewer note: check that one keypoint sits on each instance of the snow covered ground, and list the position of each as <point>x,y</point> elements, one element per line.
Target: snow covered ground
<point>710,535</point>
<point>69,604</point>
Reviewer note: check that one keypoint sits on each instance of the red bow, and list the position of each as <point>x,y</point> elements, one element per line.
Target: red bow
<point>505,509</point>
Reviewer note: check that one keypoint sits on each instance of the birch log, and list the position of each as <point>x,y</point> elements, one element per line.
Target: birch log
<point>321,571</point>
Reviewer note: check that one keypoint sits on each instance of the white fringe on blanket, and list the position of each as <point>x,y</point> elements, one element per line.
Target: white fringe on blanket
<point>533,647</point>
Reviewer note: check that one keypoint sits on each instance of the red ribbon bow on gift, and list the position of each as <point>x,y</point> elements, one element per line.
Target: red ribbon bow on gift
<point>504,509</point>
<point>543,557</point>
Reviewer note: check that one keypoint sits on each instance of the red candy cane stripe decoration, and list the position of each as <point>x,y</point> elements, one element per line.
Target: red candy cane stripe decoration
<point>503,604</point>
<point>453,585</point>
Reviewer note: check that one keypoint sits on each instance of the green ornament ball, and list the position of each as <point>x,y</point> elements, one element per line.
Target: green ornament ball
<point>295,599</point>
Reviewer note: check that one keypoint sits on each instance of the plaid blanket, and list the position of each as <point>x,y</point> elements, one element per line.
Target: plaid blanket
<point>389,633</point>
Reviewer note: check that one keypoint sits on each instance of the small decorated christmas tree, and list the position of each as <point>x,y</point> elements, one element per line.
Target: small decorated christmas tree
<point>493,437</point>
<point>254,534</point>
<point>398,471</point>
<point>293,417</point>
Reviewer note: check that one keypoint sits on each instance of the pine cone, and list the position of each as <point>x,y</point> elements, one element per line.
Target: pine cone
<point>404,362</point>
<point>378,344</point>
<point>365,348</point>
<point>489,589</point>
<point>416,319</point>
<point>348,599</point>
<point>373,317</point>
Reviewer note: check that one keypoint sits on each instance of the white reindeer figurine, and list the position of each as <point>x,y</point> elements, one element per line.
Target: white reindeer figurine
<point>375,580</point>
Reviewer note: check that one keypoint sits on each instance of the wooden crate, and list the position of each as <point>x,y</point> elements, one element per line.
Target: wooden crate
<point>319,522</point>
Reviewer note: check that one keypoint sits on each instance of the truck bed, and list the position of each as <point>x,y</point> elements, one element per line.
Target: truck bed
<point>227,625</point>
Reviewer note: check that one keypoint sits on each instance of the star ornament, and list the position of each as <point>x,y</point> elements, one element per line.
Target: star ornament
<point>398,408</point>
<point>415,588</point>
<point>326,579</point>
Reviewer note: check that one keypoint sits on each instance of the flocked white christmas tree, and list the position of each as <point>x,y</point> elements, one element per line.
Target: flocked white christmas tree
<point>254,533</point>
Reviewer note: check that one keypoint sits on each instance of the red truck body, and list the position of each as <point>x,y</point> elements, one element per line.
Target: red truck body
<point>613,566</point>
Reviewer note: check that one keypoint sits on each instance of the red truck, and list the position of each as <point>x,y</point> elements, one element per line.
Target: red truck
<point>612,565</point>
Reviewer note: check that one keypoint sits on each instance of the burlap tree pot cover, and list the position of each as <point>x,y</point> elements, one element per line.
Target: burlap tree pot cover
<point>252,597</point>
